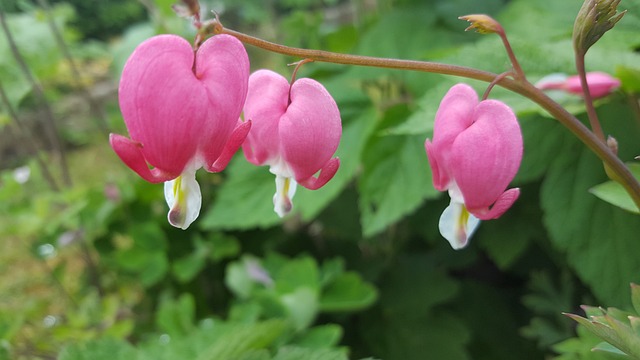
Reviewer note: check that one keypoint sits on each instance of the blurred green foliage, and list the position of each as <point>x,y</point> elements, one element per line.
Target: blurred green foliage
<point>359,269</point>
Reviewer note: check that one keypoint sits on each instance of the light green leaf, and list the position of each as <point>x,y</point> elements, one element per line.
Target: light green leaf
<point>347,293</point>
<point>324,336</point>
<point>395,181</point>
<point>244,200</point>
<point>615,194</point>
<point>296,353</point>
<point>301,305</point>
<point>176,317</point>
<point>101,349</point>
<point>243,338</point>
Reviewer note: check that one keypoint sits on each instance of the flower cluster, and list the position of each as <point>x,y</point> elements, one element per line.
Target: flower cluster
<point>185,110</point>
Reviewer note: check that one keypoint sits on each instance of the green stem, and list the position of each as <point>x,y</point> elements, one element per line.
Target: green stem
<point>521,87</point>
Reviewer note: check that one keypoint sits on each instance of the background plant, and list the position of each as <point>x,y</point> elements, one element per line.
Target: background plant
<point>94,268</point>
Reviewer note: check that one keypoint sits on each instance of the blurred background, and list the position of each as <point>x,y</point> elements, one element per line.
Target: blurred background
<point>90,268</point>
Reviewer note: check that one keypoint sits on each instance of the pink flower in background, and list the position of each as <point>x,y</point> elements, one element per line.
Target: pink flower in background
<point>475,153</point>
<point>296,130</point>
<point>181,111</point>
<point>600,84</point>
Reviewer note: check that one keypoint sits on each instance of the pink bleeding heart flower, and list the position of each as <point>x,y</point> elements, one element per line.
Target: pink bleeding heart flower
<point>181,110</point>
<point>600,84</point>
<point>296,130</point>
<point>475,153</point>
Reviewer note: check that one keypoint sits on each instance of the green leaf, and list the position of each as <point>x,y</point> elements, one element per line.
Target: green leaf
<point>237,278</point>
<point>347,293</point>
<point>101,349</point>
<point>296,353</point>
<point>630,78</point>
<point>243,338</point>
<point>606,347</point>
<point>176,317</point>
<point>395,181</point>
<point>223,246</point>
<point>615,194</point>
<point>301,305</point>
<point>297,273</point>
<point>594,234</point>
<point>187,267</point>
<point>244,200</point>
<point>324,336</point>
<point>635,297</point>
<point>406,323</point>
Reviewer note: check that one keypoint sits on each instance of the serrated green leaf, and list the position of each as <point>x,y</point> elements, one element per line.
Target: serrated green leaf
<point>244,200</point>
<point>615,194</point>
<point>244,338</point>
<point>176,317</point>
<point>395,181</point>
<point>348,292</point>
<point>593,233</point>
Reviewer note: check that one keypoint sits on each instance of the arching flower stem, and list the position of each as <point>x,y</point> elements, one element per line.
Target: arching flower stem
<point>520,86</point>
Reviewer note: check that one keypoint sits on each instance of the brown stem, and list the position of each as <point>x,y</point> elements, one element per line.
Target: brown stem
<point>295,73</point>
<point>588,100</point>
<point>519,74</point>
<point>85,93</point>
<point>495,81</point>
<point>30,140</point>
<point>49,124</point>
<point>521,87</point>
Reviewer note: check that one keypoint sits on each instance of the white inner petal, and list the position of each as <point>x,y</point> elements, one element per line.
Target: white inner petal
<point>285,190</point>
<point>184,199</point>
<point>457,225</point>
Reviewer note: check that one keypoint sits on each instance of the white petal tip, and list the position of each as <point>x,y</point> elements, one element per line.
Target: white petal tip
<point>457,225</point>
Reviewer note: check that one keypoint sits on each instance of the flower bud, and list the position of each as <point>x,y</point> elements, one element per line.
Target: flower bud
<point>483,24</point>
<point>594,19</point>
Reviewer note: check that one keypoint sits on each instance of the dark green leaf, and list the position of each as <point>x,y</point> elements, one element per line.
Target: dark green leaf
<point>395,181</point>
<point>347,293</point>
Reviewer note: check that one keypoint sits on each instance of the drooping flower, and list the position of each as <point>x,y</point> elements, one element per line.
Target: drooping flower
<point>296,130</point>
<point>475,153</point>
<point>600,84</point>
<point>181,110</point>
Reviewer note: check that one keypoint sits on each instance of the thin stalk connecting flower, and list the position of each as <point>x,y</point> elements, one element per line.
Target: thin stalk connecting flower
<point>522,87</point>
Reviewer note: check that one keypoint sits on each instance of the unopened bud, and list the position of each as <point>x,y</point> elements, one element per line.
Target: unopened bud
<point>483,24</point>
<point>594,19</point>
